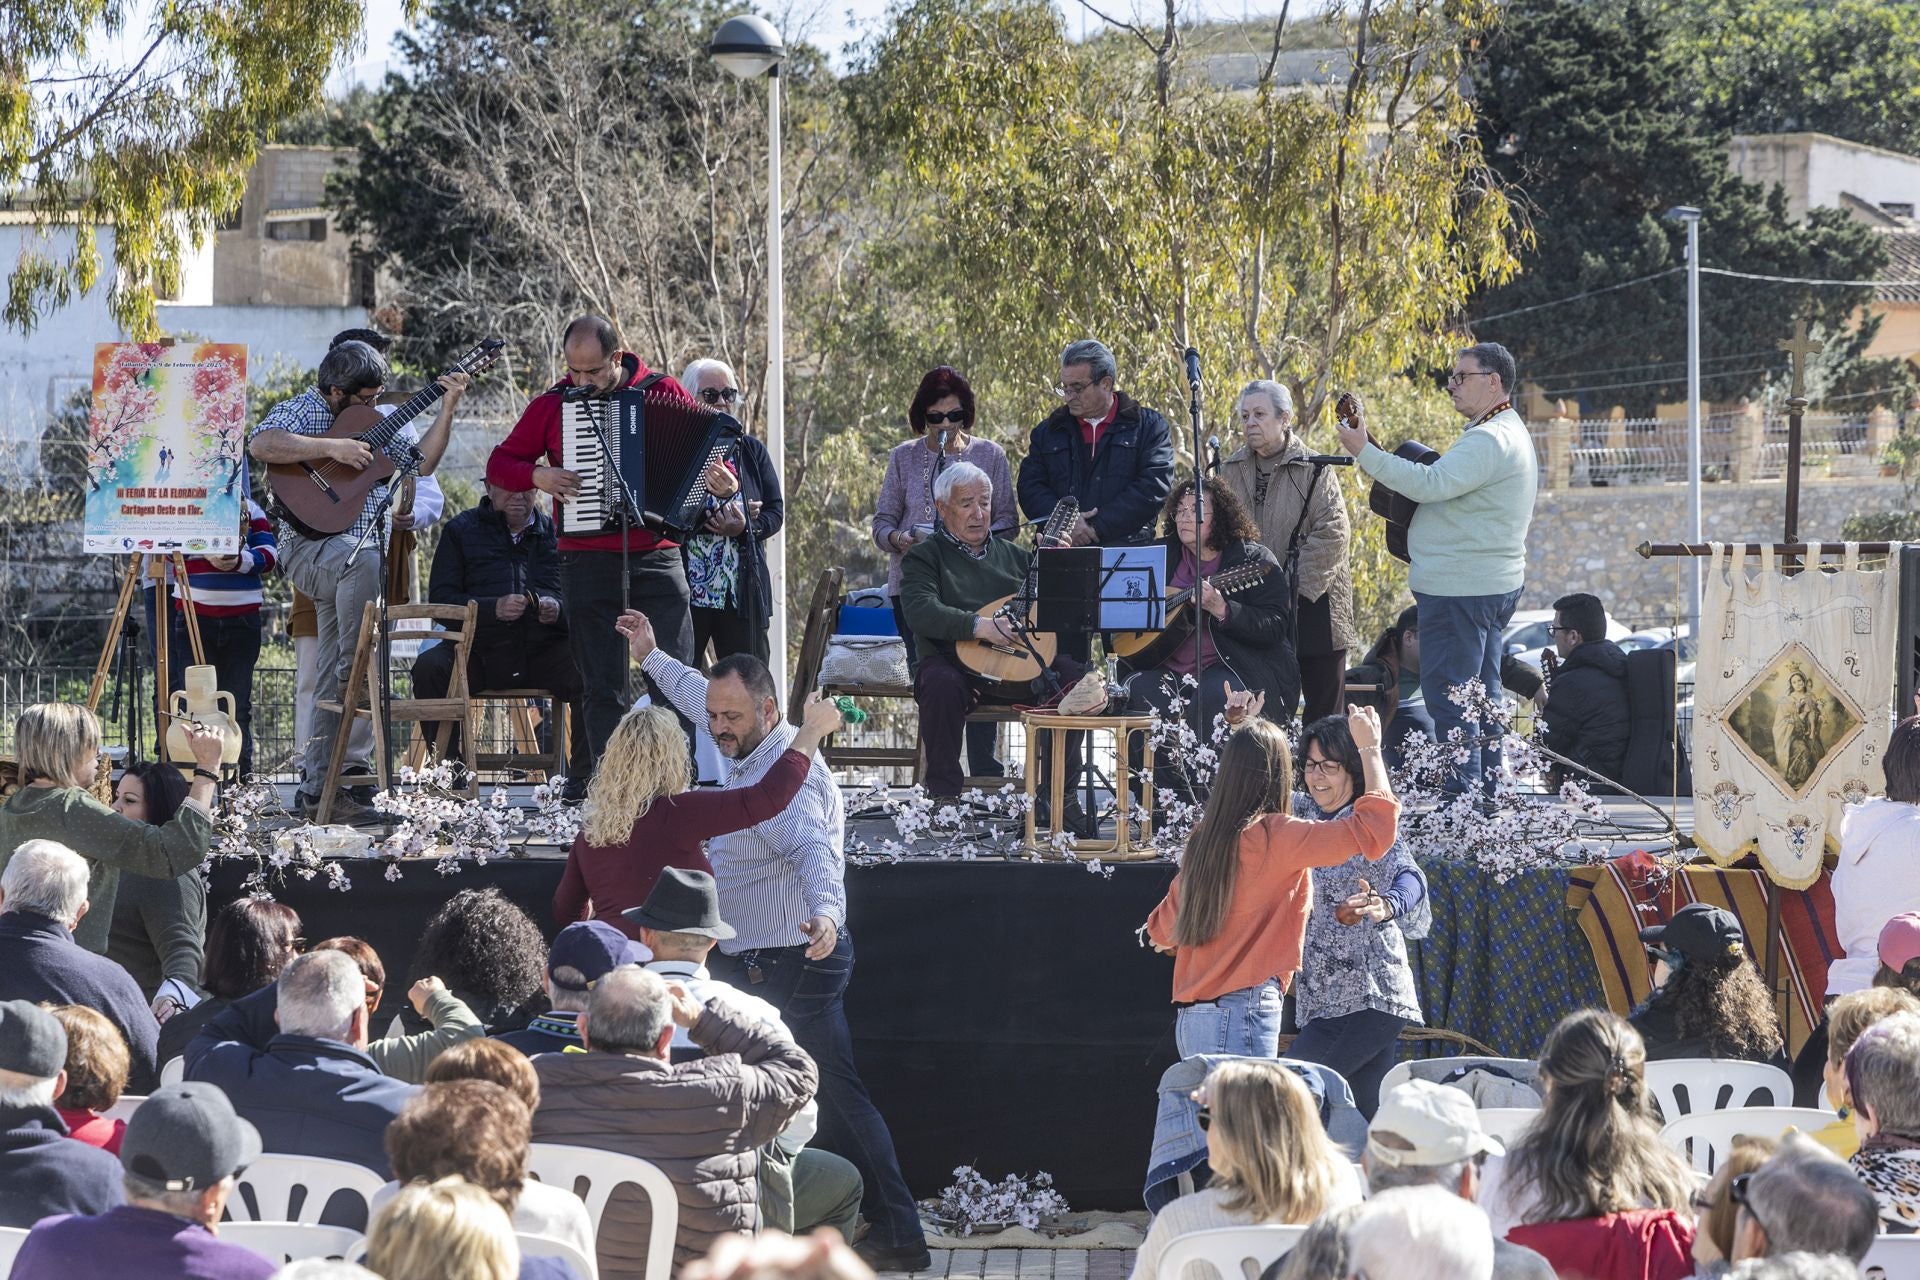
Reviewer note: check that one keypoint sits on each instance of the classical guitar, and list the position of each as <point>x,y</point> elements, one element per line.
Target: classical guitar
<point>320,497</point>
<point>1144,650</point>
<point>1010,668</point>
<point>1395,508</point>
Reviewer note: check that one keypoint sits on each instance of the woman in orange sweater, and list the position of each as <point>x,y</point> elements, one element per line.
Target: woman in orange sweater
<point>1235,917</point>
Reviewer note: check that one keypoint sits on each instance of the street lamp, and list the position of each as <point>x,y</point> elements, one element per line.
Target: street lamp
<point>1689,215</point>
<point>749,47</point>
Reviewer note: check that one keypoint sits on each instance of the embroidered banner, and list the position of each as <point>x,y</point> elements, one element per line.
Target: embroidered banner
<point>1793,694</point>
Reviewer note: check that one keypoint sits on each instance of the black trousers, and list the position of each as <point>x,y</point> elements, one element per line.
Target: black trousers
<point>535,657</point>
<point>232,646</point>
<point>982,736</point>
<point>590,580</point>
<point>1323,684</point>
<point>729,633</point>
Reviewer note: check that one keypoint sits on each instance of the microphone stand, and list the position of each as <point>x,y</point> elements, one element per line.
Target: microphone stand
<point>383,645</point>
<point>629,504</point>
<point>1202,737</point>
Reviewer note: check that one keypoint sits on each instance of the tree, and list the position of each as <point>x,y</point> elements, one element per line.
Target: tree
<point>1588,112</point>
<point>155,144</point>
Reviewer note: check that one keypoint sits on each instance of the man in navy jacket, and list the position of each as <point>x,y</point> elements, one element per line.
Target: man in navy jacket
<point>310,1089</point>
<point>1112,453</point>
<point>42,1171</point>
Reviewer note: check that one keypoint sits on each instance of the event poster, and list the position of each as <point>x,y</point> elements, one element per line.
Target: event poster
<point>165,447</point>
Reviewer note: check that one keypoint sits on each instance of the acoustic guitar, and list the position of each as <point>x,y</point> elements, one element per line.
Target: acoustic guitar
<point>320,497</point>
<point>1395,508</point>
<point>1145,650</point>
<point>1010,668</point>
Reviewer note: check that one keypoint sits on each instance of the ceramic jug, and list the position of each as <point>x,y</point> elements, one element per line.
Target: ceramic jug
<point>201,703</point>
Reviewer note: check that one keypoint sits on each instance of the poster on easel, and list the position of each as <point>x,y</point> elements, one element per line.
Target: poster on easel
<point>166,448</point>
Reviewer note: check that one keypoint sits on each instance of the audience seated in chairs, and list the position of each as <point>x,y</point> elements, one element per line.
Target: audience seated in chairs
<point>490,954</point>
<point>1590,1182</point>
<point>1271,1160</point>
<point>184,1148</point>
<point>502,555</point>
<point>701,1122</point>
<point>1427,1134</point>
<point>479,1131</point>
<point>1883,1075</point>
<point>249,942</point>
<point>407,1057</point>
<point>1714,1212</point>
<point>42,1172</point>
<point>437,1230</point>
<point>45,887</point>
<point>1708,1000</point>
<point>800,1188</point>
<point>158,922</point>
<point>582,954</point>
<point>1586,711</point>
<point>1803,1199</point>
<point>1847,1020</point>
<point>96,1077</point>
<point>293,1060</point>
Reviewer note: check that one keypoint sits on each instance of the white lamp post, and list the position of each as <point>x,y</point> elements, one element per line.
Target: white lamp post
<point>749,47</point>
<point>1691,217</point>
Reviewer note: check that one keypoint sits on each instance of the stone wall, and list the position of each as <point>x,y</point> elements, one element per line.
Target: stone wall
<point>1584,539</point>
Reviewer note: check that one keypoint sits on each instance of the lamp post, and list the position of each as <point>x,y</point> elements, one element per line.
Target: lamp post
<point>749,47</point>
<point>1691,217</point>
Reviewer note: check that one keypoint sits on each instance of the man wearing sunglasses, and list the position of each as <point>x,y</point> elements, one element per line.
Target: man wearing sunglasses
<point>1804,1199</point>
<point>1467,543</point>
<point>730,592</point>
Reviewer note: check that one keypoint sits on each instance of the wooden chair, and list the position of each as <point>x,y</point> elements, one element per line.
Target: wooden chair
<point>549,764</point>
<point>361,696</point>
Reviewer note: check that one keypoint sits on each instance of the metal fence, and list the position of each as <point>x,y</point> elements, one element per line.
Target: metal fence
<point>1631,451</point>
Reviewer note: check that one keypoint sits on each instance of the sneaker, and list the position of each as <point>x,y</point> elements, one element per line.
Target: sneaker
<point>346,810</point>
<point>884,1258</point>
<point>1086,698</point>
<point>575,792</point>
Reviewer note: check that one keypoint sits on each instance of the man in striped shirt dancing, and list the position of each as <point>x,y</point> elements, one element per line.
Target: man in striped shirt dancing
<point>782,888</point>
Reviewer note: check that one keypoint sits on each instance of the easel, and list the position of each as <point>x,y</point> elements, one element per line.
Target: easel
<point>1790,549</point>
<point>137,568</point>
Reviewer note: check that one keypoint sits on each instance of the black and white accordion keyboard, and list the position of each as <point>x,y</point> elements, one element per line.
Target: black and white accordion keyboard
<point>661,445</point>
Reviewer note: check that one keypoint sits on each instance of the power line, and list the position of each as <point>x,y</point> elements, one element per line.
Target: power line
<point>1561,302</point>
<point>1847,284</point>
<point>1535,375</point>
<point>1560,392</point>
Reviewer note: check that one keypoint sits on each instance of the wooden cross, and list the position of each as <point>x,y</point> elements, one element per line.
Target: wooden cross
<point>1800,346</point>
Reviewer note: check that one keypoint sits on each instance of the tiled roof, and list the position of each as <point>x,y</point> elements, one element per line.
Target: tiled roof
<point>1903,263</point>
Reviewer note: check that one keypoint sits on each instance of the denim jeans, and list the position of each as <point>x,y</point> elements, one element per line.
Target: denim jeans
<point>1245,1023</point>
<point>1359,1045</point>
<point>810,995</point>
<point>1460,641</point>
<point>590,583</point>
<point>340,595</point>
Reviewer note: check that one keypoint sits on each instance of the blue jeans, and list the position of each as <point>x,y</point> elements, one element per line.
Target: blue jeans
<point>1359,1045</point>
<point>1460,641</point>
<point>810,997</point>
<point>1245,1023</point>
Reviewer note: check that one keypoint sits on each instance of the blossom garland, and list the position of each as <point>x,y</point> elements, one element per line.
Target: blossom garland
<point>972,1203</point>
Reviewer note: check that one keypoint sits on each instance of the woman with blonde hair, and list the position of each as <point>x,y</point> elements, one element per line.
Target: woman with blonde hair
<point>431,1230</point>
<point>1272,1161</point>
<point>58,748</point>
<point>1235,918</point>
<point>642,816</point>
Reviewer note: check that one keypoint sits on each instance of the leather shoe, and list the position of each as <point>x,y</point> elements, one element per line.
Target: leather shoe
<point>883,1258</point>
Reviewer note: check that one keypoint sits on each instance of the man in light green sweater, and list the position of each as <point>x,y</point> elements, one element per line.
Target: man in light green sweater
<point>1467,542</point>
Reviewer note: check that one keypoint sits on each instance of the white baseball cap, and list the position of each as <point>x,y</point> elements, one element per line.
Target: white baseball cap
<point>1435,1123</point>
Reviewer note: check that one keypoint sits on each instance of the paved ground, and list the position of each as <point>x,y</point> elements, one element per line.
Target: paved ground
<point>1026,1264</point>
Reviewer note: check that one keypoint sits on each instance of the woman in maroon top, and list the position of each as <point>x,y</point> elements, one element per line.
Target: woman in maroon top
<point>642,816</point>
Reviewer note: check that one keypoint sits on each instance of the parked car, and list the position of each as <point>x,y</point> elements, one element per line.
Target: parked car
<point>1527,634</point>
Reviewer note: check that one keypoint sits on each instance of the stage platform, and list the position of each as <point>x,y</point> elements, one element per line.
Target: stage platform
<point>1003,1013</point>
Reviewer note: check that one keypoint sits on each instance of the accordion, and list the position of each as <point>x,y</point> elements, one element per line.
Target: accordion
<point>661,447</point>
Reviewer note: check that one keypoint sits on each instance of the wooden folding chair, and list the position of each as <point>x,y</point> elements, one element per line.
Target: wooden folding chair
<point>361,697</point>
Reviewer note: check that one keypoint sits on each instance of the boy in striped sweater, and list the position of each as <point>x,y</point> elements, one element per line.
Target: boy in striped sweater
<point>226,599</point>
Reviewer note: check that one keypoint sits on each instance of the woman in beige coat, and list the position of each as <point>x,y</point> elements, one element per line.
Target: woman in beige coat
<point>1273,479</point>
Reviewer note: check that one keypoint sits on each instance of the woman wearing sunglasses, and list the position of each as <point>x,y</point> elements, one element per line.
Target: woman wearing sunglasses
<point>729,591</point>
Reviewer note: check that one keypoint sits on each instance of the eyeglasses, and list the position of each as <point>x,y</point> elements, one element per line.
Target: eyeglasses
<point>1066,389</point>
<point>958,417</point>
<point>1563,631</point>
<point>366,397</point>
<point>1738,1191</point>
<point>1457,377</point>
<point>720,395</point>
<point>1323,767</point>
<point>1205,1116</point>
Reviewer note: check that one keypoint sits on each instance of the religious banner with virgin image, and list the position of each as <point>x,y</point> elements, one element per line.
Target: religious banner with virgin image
<point>1793,694</point>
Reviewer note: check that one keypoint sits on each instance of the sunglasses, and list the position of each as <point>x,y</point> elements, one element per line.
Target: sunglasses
<point>720,395</point>
<point>958,417</point>
<point>1205,1116</point>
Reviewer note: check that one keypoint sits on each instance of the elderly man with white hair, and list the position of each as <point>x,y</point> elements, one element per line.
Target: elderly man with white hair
<point>729,589</point>
<point>945,583</point>
<point>42,1171</point>
<point>1298,505</point>
<point>44,888</point>
<point>1420,1233</point>
<point>309,1087</point>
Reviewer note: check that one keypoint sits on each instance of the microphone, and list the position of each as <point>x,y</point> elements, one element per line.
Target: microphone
<point>1328,459</point>
<point>941,450</point>
<point>1193,365</point>
<point>1213,453</point>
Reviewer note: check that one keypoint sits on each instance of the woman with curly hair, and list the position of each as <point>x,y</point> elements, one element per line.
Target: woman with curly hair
<point>491,956</point>
<point>1594,1152</point>
<point>1708,1000</point>
<point>643,816</point>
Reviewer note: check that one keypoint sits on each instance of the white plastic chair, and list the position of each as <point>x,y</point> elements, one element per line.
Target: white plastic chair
<point>1432,1068</point>
<point>594,1176</point>
<point>284,1242</point>
<point>273,1180</point>
<point>1507,1123</point>
<point>11,1238</point>
<point>539,1246</point>
<point>124,1109</point>
<point>1687,1086</point>
<point>1236,1253</point>
<point>173,1070</point>
<point>1892,1258</point>
<point>1712,1132</point>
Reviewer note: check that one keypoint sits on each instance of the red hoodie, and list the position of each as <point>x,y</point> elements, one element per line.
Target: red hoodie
<point>535,441</point>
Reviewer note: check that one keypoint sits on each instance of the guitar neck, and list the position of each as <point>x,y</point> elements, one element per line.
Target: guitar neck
<point>418,403</point>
